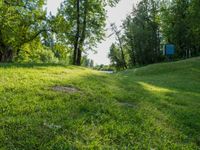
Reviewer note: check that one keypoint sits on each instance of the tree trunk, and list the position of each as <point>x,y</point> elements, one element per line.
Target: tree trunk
<point>78,61</point>
<point>6,53</point>
<point>122,52</point>
<point>82,38</point>
<point>76,42</point>
<point>114,28</point>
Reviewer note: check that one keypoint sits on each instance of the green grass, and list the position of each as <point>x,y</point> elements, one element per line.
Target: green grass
<point>154,107</point>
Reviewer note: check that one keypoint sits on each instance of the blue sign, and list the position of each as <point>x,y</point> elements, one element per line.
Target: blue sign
<point>169,49</point>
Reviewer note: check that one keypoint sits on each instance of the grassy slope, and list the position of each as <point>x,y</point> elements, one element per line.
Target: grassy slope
<point>155,107</point>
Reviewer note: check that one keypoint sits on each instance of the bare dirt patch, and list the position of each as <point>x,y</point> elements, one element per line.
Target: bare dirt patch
<point>65,89</point>
<point>126,104</point>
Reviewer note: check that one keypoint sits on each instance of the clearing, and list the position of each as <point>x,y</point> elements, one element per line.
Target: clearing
<point>154,107</point>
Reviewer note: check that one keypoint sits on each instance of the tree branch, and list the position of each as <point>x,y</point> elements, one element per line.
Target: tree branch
<point>35,36</point>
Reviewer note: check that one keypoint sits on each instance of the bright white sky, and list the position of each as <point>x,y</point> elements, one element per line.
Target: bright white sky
<point>115,15</point>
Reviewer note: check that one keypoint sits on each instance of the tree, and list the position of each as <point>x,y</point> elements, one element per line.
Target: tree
<point>85,21</point>
<point>20,22</point>
<point>194,25</point>
<point>154,23</point>
<point>177,32</point>
<point>116,57</point>
<point>143,34</point>
<point>120,44</point>
<point>180,26</point>
<point>91,63</point>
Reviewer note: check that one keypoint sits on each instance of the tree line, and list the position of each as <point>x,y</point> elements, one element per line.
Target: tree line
<point>151,25</point>
<point>29,34</point>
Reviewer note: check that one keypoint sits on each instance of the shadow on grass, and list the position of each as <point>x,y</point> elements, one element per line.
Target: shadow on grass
<point>74,116</point>
<point>180,105</point>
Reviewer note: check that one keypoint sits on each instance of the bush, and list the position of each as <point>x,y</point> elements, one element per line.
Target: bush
<point>35,52</point>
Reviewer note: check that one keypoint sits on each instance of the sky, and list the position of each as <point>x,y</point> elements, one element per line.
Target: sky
<point>114,15</point>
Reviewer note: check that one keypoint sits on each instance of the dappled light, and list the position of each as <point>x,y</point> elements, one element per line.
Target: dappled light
<point>155,89</point>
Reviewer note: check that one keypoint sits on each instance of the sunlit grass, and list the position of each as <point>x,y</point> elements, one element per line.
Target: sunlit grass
<point>155,89</point>
<point>143,109</point>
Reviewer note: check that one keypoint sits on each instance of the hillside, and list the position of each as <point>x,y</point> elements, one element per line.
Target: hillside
<point>66,107</point>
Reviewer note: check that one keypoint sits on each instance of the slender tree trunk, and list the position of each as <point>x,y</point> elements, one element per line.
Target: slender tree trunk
<point>76,42</point>
<point>82,39</point>
<point>114,28</point>
<point>132,47</point>
<point>122,52</point>
<point>133,57</point>
<point>5,52</point>
<point>79,55</point>
<point>1,47</point>
<point>1,56</point>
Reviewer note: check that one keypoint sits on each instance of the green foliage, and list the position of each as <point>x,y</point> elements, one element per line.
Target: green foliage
<point>142,33</point>
<point>177,32</point>
<point>179,21</point>
<point>86,62</point>
<point>35,52</point>
<point>62,52</point>
<point>117,53</point>
<point>83,23</point>
<point>20,22</point>
<point>79,26</point>
<point>154,107</point>
<point>106,68</point>
<point>194,24</point>
<point>116,57</point>
<point>154,23</point>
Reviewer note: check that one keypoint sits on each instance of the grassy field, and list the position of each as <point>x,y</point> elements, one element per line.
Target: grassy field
<point>156,107</point>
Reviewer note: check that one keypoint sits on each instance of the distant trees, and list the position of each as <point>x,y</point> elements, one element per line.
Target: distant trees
<point>118,56</point>
<point>177,31</point>
<point>154,23</point>
<point>142,33</point>
<point>182,17</point>
<point>86,62</point>
<point>194,24</point>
